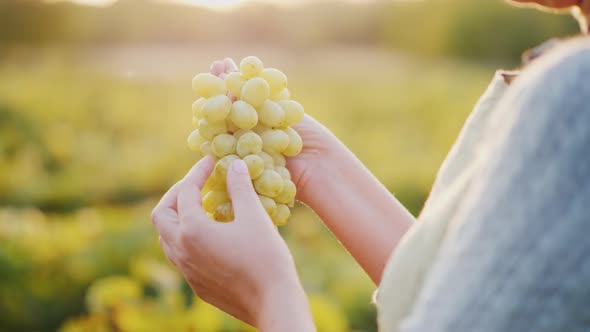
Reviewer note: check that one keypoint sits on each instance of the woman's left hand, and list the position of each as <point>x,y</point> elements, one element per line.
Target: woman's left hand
<point>242,267</point>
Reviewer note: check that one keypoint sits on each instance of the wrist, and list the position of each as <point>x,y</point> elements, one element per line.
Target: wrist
<point>329,170</point>
<point>284,307</point>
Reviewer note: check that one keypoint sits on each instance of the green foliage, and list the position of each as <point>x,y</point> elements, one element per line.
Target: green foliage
<point>80,140</point>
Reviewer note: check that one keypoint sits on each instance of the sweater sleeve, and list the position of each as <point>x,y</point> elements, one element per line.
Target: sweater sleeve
<point>517,255</point>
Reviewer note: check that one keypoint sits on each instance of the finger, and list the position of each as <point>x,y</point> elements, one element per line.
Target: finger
<point>244,199</point>
<point>189,195</point>
<point>168,251</point>
<point>169,198</point>
<point>217,67</point>
<point>230,65</point>
<point>164,216</point>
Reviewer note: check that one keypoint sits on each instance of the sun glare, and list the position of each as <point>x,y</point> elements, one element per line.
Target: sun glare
<point>214,4</point>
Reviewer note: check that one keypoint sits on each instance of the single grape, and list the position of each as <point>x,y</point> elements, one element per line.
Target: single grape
<point>269,163</point>
<point>283,172</point>
<point>217,108</point>
<point>223,145</point>
<point>255,91</point>
<point>271,114</point>
<point>295,143</point>
<point>251,66</point>
<point>224,212</point>
<point>283,95</point>
<point>287,195</point>
<point>269,183</point>
<point>213,199</point>
<point>198,108</point>
<point>195,141</point>
<point>209,130</point>
<point>249,143</point>
<point>269,205</point>
<point>243,115</point>
<point>293,112</point>
<point>234,83</point>
<point>224,164</point>
<point>255,165</point>
<point>274,140</point>
<point>206,148</point>
<point>208,85</point>
<point>282,215</point>
<point>276,80</point>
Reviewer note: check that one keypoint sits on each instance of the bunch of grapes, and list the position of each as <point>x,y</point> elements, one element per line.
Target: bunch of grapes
<point>247,114</point>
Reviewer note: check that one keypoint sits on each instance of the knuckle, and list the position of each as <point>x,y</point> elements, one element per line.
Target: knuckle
<point>155,215</point>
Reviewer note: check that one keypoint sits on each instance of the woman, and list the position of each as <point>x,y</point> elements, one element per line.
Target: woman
<point>500,246</point>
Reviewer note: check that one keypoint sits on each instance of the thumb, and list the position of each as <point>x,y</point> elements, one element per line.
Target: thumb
<point>244,199</point>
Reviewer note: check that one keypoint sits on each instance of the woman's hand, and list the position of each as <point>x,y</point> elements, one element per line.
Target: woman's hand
<point>242,267</point>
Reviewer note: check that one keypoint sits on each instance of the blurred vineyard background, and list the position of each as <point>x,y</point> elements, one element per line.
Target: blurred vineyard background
<point>95,110</point>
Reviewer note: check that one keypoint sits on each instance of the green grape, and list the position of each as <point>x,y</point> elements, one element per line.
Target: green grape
<point>274,140</point>
<point>283,95</point>
<point>209,130</point>
<point>223,145</point>
<point>278,159</point>
<point>295,143</point>
<point>198,108</point>
<point>251,66</point>
<point>276,80</point>
<point>269,183</point>
<point>217,108</point>
<point>243,115</point>
<point>255,91</point>
<point>269,205</point>
<point>214,198</point>
<point>283,172</point>
<point>249,143</point>
<point>271,114</point>
<point>269,163</point>
<point>224,212</point>
<point>208,85</point>
<point>287,195</point>
<point>282,215</point>
<point>255,165</point>
<point>215,182</point>
<point>247,114</point>
<point>206,148</point>
<point>234,83</point>
<point>224,164</point>
<point>195,141</point>
<point>293,112</point>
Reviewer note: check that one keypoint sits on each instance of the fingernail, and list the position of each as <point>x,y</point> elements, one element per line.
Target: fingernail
<point>239,166</point>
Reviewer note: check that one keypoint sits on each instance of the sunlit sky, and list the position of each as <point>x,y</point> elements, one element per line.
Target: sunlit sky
<point>213,4</point>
